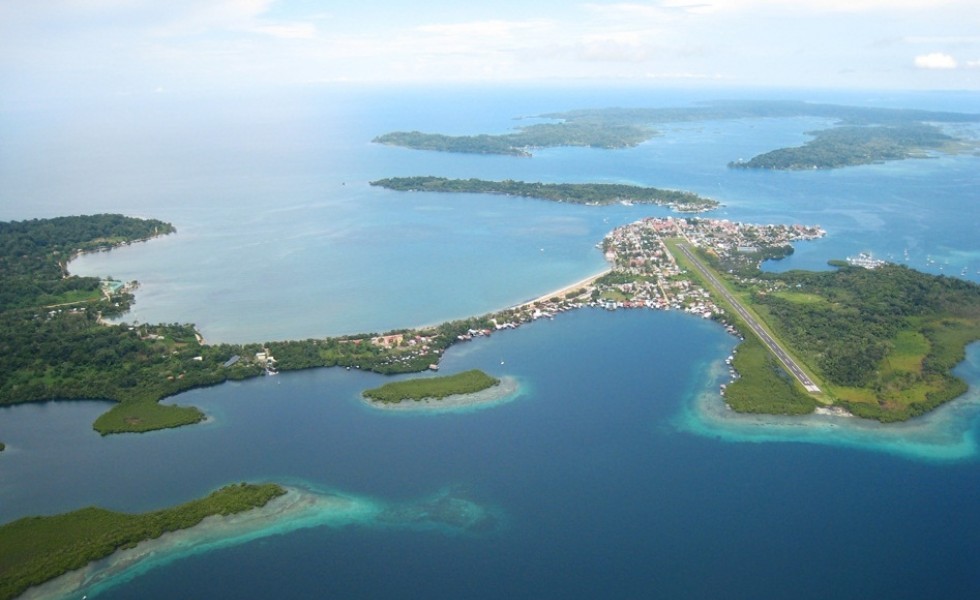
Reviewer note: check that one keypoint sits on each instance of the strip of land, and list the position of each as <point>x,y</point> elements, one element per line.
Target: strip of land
<point>592,194</point>
<point>583,287</point>
<point>36,549</point>
<point>775,347</point>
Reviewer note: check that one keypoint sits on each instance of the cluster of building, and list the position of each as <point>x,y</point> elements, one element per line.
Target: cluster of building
<point>644,274</point>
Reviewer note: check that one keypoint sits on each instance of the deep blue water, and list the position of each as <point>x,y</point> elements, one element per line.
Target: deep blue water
<point>608,475</point>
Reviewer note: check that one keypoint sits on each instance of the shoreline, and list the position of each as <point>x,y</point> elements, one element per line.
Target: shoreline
<point>507,390</point>
<point>942,436</point>
<point>297,509</point>
<point>562,291</point>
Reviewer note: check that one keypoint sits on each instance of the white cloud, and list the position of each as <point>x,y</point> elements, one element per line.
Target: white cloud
<point>973,64</point>
<point>820,6</point>
<point>623,46</point>
<point>935,60</point>
<point>291,31</point>
<point>484,29</point>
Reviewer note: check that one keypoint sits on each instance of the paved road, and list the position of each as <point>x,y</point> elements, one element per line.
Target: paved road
<point>767,339</point>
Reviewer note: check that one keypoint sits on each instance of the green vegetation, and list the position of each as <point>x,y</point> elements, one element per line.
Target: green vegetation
<point>593,134</point>
<point>66,352</point>
<point>882,342</point>
<point>575,193</point>
<point>764,386</point>
<point>628,127</point>
<point>36,549</point>
<point>50,353</point>
<point>849,146</point>
<point>467,382</point>
<point>34,255</point>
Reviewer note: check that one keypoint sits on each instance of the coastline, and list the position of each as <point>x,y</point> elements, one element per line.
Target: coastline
<point>562,291</point>
<point>507,390</point>
<point>296,509</point>
<point>944,435</point>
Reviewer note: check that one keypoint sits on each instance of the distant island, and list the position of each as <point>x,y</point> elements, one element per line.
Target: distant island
<point>574,193</point>
<point>467,382</point>
<point>857,145</point>
<point>36,549</point>
<point>880,133</point>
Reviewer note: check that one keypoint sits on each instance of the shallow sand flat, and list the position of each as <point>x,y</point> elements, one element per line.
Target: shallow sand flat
<point>507,390</point>
<point>297,509</point>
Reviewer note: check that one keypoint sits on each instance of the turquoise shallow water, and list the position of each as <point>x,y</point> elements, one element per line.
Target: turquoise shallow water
<point>616,472</point>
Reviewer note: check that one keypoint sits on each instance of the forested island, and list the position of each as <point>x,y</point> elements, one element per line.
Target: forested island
<point>467,382</point>
<point>37,549</point>
<point>880,133</point>
<point>857,145</point>
<point>575,193</point>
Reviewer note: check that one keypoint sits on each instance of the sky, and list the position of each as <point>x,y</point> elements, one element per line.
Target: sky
<point>60,48</point>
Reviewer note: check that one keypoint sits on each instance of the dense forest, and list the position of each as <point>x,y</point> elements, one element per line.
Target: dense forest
<point>542,135</point>
<point>34,254</point>
<point>54,343</point>
<point>467,382</point>
<point>575,193</point>
<point>886,338</point>
<point>36,549</point>
<point>627,127</point>
<point>853,145</point>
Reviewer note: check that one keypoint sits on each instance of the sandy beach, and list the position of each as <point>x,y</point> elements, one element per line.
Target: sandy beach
<point>588,281</point>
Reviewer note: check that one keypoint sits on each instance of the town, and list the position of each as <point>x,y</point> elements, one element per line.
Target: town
<point>643,274</point>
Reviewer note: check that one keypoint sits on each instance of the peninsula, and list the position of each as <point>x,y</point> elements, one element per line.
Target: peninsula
<point>593,194</point>
<point>863,135</point>
<point>879,342</point>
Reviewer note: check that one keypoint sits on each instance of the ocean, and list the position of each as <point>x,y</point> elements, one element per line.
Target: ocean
<point>616,471</point>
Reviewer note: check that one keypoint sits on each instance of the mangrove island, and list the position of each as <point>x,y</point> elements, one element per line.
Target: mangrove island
<point>36,549</point>
<point>467,382</point>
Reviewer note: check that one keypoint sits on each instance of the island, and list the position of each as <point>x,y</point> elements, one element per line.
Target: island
<point>863,134</point>
<point>593,194</point>
<point>36,549</point>
<point>858,145</point>
<point>467,382</point>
